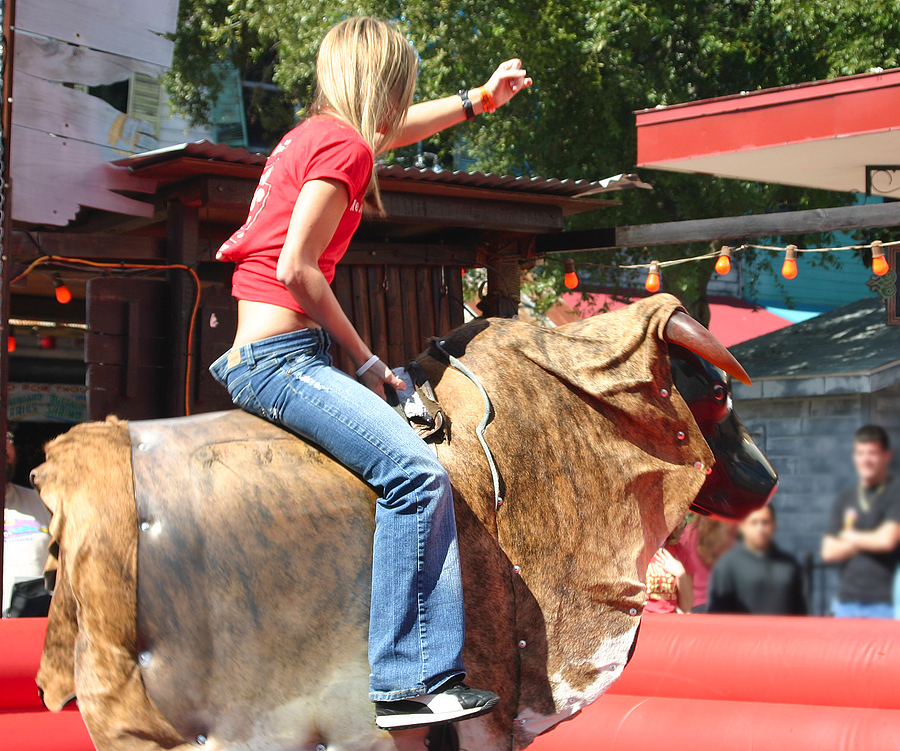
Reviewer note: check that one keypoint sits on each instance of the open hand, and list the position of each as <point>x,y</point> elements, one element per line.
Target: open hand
<point>378,375</point>
<point>507,81</point>
<point>670,563</point>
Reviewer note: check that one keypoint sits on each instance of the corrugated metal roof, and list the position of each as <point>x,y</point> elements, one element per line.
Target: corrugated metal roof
<point>205,150</point>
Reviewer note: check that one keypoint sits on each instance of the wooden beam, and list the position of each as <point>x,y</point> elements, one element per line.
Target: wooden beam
<point>575,240</point>
<point>28,245</point>
<point>410,254</point>
<point>462,212</point>
<point>761,225</point>
<point>725,228</point>
<point>416,207</point>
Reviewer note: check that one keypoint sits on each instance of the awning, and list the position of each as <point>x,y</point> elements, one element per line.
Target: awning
<point>821,134</point>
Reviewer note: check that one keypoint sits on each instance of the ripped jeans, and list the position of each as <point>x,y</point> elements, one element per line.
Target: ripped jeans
<point>416,624</point>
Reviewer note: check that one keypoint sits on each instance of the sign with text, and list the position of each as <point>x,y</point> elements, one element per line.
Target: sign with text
<point>46,402</point>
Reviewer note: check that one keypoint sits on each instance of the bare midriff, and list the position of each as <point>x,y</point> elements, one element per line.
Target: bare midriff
<point>260,320</point>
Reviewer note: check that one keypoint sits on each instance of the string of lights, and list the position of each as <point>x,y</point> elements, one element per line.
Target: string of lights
<point>880,265</point>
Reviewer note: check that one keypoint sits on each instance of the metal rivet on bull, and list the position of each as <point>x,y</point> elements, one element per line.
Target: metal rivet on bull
<point>320,747</point>
<point>522,722</point>
<point>633,611</point>
<point>517,570</point>
<point>523,644</point>
<point>144,658</point>
<point>611,666</point>
<point>201,740</point>
<point>145,526</point>
<point>499,502</point>
<point>142,447</point>
<point>698,465</point>
<point>680,435</point>
<point>664,393</point>
<point>571,700</point>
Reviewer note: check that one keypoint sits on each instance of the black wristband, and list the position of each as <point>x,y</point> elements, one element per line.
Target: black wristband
<point>467,104</point>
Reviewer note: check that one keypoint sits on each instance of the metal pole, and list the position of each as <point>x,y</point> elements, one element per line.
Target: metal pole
<point>7,8</point>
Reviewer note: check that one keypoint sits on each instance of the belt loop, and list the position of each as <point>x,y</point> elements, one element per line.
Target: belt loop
<point>247,355</point>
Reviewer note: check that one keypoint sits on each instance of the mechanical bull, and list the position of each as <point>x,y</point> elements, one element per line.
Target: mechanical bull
<point>213,572</point>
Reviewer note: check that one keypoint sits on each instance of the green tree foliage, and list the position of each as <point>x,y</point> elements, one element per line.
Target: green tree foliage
<point>593,61</point>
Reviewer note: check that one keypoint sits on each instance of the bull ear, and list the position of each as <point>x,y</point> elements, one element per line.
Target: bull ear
<point>686,332</point>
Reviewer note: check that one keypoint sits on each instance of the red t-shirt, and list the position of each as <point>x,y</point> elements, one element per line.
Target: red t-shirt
<point>320,147</point>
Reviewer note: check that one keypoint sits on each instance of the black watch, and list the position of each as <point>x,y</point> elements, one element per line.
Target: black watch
<point>467,104</point>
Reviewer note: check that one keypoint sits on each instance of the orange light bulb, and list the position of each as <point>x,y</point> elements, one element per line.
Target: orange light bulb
<point>723,264</point>
<point>11,343</point>
<point>880,266</point>
<point>571,278</point>
<point>789,267</point>
<point>63,295</point>
<point>653,282</point>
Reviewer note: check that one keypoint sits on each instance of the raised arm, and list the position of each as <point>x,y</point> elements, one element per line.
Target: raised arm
<point>428,118</point>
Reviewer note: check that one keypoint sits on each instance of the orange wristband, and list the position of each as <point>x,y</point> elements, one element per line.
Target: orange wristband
<point>487,101</point>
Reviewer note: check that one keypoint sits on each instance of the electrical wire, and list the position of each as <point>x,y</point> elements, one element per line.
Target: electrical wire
<point>715,254</point>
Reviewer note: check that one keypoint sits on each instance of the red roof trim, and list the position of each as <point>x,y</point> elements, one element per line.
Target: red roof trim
<point>770,97</point>
<point>836,109</point>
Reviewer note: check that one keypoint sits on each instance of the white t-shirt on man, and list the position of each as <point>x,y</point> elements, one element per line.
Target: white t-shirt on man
<point>25,538</point>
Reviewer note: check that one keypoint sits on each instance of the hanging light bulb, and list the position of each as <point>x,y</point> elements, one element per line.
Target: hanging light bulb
<point>63,295</point>
<point>880,265</point>
<point>571,280</point>
<point>723,264</point>
<point>653,282</point>
<point>789,267</point>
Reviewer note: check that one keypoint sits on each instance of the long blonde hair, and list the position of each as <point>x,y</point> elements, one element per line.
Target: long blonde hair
<point>366,75</point>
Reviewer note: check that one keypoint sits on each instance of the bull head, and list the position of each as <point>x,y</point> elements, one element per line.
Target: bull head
<point>742,480</point>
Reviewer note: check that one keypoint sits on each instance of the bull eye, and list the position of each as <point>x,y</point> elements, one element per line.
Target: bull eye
<point>719,392</point>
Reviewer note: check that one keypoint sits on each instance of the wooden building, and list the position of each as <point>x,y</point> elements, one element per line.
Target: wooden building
<point>150,333</point>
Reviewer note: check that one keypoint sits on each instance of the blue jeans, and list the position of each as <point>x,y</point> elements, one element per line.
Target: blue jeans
<point>862,609</point>
<point>416,623</point>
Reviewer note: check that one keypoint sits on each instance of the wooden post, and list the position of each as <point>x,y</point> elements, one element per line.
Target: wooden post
<point>501,258</point>
<point>7,8</point>
<point>182,247</point>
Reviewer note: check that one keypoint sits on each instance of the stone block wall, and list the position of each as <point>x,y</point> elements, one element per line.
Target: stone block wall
<point>809,441</point>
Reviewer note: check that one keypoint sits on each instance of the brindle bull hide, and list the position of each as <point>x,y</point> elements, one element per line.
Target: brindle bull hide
<point>259,625</point>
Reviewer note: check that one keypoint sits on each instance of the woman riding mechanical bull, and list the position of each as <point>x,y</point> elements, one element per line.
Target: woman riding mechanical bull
<point>306,208</point>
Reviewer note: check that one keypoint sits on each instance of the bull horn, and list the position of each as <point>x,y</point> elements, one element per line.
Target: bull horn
<point>686,332</point>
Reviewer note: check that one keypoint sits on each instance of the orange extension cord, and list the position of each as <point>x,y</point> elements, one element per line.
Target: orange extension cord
<point>113,266</point>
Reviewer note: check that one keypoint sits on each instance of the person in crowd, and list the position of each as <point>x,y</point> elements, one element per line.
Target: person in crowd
<point>670,586</point>
<point>756,576</point>
<point>308,203</point>
<point>864,531</point>
<point>702,543</point>
<point>26,522</point>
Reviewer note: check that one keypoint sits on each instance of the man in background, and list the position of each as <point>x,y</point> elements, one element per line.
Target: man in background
<point>864,531</point>
<point>25,535</point>
<point>756,576</point>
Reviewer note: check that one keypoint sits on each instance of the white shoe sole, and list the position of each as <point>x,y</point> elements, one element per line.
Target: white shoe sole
<point>406,721</point>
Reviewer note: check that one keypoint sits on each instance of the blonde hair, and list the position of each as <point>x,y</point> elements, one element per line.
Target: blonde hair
<point>366,75</point>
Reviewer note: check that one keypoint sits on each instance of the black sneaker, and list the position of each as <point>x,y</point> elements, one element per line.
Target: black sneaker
<point>449,704</point>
